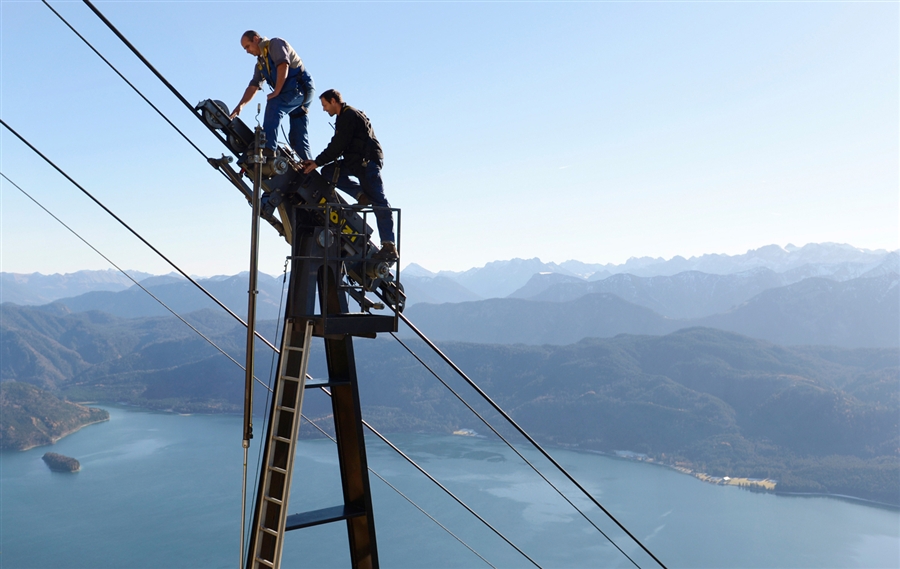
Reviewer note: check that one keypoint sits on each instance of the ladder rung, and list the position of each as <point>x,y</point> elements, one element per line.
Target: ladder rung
<point>269,531</point>
<point>284,407</point>
<point>278,470</point>
<point>313,382</point>
<point>273,500</point>
<point>265,562</point>
<point>282,439</point>
<point>323,516</point>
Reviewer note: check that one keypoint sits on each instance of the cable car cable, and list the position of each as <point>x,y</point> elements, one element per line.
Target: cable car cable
<point>442,487</point>
<point>136,90</point>
<point>151,68</point>
<point>513,448</point>
<point>404,496</point>
<point>525,434</point>
<point>142,287</point>
<point>135,233</point>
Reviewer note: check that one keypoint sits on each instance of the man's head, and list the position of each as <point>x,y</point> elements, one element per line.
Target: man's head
<point>331,102</point>
<point>250,42</point>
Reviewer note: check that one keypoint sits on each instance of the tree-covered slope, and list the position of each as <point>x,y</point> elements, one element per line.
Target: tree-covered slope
<point>31,417</point>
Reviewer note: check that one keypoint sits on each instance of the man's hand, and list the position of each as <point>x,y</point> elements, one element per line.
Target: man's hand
<point>309,166</point>
<point>248,95</point>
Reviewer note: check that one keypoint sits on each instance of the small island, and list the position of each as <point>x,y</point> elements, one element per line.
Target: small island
<point>61,463</point>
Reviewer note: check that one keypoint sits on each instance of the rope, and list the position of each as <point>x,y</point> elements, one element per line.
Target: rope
<point>513,448</point>
<point>404,496</point>
<point>442,487</point>
<point>142,287</point>
<point>125,80</point>
<point>135,233</point>
<point>525,434</point>
<point>153,69</point>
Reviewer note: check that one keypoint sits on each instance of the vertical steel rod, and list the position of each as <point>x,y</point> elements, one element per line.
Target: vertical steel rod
<point>252,293</point>
<point>251,324</point>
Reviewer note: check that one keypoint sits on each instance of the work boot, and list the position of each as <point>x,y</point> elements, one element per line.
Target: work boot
<point>363,200</point>
<point>388,253</point>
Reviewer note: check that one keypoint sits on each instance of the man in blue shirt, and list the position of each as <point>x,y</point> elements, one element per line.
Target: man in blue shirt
<point>279,65</point>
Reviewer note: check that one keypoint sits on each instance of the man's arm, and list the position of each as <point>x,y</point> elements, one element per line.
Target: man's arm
<point>344,127</point>
<point>281,73</point>
<point>248,95</point>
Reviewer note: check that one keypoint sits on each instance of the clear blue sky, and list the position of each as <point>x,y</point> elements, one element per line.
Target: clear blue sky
<point>589,131</point>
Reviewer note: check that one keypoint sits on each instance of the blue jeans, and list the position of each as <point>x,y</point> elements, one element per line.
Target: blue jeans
<point>293,101</point>
<point>372,187</point>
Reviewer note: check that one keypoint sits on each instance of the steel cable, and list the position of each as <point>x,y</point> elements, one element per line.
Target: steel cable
<point>404,496</point>
<point>135,233</point>
<point>136,90</point>
<point>129,277</point>
<point>513,448</point>
<point>151,68</point>
<point>525,434</point>
<point>444,488</point>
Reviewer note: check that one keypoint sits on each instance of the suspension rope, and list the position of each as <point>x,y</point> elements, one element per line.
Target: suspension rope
<point>153,69</point>
<point>135,233</point>
<point>442,487</point>
<point>512,447</point>
<point>136,90</point>
<point>142,287</point>
<point>525,434</point>
<point>404,496</point>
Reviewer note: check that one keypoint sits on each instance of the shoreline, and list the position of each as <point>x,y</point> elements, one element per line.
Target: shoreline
<point>864,501</point>
<point>53,440</point>
<point>759,487</point>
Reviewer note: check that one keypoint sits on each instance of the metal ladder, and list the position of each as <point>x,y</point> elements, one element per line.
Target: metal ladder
<point>275,486</point>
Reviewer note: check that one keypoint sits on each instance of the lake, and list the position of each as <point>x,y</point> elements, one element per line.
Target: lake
<point>161,490</point>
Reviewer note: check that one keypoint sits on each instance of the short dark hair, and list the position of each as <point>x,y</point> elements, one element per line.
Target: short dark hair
<point>332,95</point>
<point>250,34</point>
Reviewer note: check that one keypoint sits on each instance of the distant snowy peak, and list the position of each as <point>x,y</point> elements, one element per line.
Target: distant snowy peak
<point>415,270</point>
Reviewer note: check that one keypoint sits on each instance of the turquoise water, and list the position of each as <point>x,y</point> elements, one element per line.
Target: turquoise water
<point>163,491</point>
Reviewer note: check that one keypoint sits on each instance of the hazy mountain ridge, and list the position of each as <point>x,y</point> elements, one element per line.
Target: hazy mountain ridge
<point>724,403</point>
<point>494,280</point>
<point>36,288</point>
<point>856,313</point>
<point>834,260</point>
<point>180,295</point>
<point>691,294</point>
<point>862,312</point>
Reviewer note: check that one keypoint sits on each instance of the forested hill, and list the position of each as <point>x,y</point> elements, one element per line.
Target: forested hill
<point>31,417</point>
<point>814,418</point>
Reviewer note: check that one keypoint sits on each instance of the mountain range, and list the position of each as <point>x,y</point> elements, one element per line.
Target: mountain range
<point>831,260</point>
<point>818,419</point>
<point>862,312</point>
<point>500,279</point>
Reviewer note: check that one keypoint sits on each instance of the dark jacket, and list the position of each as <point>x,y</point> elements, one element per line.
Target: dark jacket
<point>353,139</point>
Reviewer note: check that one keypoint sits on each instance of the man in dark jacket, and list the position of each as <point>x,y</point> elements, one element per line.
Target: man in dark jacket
<point>355,141</point>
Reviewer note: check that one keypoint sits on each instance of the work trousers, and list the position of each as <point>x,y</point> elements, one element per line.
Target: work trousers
<point>372,187</point>
<point>293,101</point>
